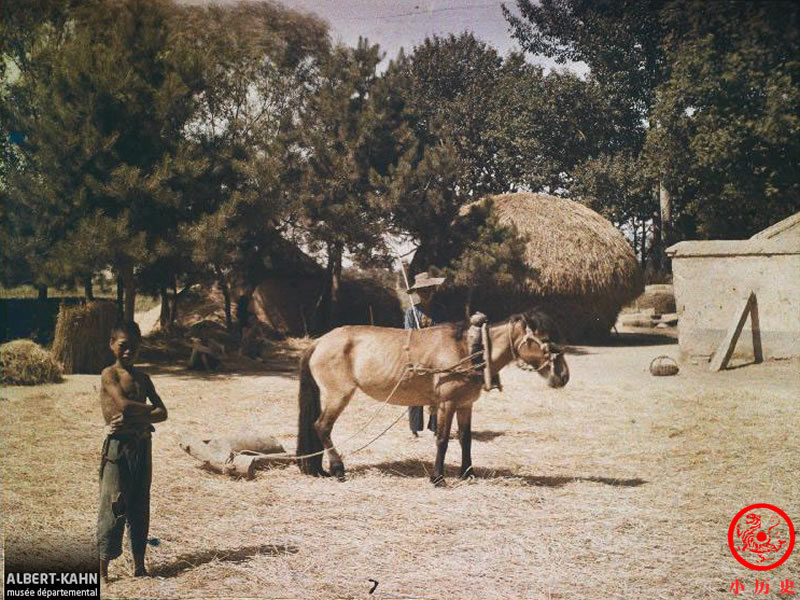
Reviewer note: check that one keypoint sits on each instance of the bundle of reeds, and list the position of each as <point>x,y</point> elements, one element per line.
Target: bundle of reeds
<point>23,362</point>
<point>82,336</point>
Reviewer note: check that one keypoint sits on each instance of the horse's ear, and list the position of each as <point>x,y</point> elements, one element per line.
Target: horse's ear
<point>529,335</point>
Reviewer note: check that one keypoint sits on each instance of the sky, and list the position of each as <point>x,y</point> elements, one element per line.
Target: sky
<point>406,23</point>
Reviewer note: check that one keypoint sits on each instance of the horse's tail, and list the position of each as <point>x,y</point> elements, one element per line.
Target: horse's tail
<point>308,441</point>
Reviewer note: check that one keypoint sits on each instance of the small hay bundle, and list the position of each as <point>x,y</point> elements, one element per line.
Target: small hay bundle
<point>82,334</point>
<point>661,298</point>
<point>23,362</point>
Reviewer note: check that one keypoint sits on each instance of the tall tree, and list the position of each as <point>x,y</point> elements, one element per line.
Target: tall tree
<point>101,138</point>
<point>30,33</point>
<point>448,89</point>
<point>728,134</point>
<point>257,62</point>
<point>341,131</point>
<point>622,44</point>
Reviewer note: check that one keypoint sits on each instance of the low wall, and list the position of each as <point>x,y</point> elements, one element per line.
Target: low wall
<point>712,280</point>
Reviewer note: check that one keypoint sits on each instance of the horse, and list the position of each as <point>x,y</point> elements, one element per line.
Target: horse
<point>413,368</point>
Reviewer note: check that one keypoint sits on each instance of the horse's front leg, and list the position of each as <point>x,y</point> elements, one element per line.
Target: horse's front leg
<point>444,418</point>
<point>464,416</point>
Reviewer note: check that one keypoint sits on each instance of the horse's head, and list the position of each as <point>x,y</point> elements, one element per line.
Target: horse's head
<point>536,341</point>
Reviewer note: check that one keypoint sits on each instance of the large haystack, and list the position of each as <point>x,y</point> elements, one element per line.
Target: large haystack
<point>584,270</point>
<point>82,335</point>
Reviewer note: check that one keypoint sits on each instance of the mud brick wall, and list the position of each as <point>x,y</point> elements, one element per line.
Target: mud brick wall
<point>711,281</point>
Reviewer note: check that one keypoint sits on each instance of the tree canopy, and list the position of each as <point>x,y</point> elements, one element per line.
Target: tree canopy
<point>167,141</point>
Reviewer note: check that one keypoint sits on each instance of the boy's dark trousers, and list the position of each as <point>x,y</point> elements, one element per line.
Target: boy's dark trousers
<point>126,470</point>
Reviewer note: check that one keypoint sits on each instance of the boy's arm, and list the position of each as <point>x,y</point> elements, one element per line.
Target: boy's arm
<point>158,412</point>
<point>111,386</point>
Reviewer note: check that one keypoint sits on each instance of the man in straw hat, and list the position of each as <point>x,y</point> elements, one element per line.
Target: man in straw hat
<point>423,313</point>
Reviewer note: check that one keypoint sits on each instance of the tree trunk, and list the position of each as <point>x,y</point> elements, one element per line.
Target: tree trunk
<point>120,296</point>
<point>88,291</point>
<point>129,283</point>
<point>174,312</point>
<point>226,294</point>
<point>42,291</point>
<point>335,271</point>
<point>643,248</point>
<point>164,318</point>
<point>656,248</point>
<point>665,204</point>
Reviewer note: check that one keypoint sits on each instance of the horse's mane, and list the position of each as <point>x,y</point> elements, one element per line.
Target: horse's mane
<point>458,328</point>
<point>537,319</point>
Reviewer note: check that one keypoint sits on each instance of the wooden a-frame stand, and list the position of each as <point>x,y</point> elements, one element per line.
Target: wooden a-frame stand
<point>724,351</point>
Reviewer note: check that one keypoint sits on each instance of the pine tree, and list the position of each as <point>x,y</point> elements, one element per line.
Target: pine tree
<point>102,140</point>
<point>341,134</point>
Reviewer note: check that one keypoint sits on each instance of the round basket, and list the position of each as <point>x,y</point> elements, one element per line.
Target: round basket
<point>662,366</point>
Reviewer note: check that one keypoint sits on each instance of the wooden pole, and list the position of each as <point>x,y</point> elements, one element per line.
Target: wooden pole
<point>724,351</point>
<point>758,353</point>
<point>408,291</point>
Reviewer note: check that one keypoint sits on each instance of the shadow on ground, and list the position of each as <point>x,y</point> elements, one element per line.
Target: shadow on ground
<point>180,371</point>
<point>185,562</point>
<point>486,435</point>
<point>419,468</point>
<point>646,337</point>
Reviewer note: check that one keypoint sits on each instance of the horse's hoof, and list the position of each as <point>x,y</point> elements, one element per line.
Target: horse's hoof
<point>337,470</point>
<point>438,481</point>
<point>467,474</point>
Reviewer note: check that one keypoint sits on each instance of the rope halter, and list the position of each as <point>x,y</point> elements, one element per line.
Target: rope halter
<point>544,346</point>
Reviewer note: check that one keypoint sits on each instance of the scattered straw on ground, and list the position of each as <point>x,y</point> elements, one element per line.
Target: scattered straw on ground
<point>621,485</point>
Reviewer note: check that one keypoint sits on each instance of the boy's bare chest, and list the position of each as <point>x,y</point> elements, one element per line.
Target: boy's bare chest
<point>133,387</point>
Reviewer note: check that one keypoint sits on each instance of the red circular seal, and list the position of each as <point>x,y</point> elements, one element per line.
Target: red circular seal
<point>761,537</point>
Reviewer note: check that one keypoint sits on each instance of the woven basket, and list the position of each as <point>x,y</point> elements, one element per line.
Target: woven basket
<point>662,366</point>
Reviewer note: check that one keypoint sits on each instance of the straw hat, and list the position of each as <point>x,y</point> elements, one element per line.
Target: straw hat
<point>423,280</point>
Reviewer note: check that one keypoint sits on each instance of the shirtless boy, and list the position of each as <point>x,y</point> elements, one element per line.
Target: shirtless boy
<point>126,465</point>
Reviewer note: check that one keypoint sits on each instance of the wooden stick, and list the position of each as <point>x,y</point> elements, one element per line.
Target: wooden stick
<point>758,353</point>
<point>487,352</point>
<point>724,351</point>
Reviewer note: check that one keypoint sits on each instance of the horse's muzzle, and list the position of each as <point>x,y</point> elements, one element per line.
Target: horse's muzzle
<point>559,374</point>
<point>554,381</point>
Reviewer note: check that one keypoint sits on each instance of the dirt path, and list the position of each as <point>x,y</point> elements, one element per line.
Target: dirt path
<point>620,485</point>
<point>148,320</point>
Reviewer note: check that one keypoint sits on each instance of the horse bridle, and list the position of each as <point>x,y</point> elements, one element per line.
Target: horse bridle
<point>530,337</point>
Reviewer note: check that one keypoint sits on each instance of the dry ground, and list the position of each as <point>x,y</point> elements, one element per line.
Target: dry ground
<point>621,485</point>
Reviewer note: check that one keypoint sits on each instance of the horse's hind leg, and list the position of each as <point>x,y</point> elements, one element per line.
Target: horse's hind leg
<point>324,425</point>
<point>464,416</point>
